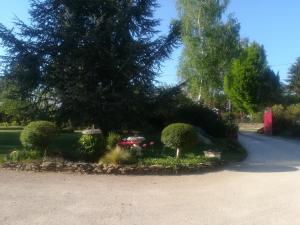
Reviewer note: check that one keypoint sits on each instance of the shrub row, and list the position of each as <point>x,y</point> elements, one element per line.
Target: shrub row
<point>286,120</point>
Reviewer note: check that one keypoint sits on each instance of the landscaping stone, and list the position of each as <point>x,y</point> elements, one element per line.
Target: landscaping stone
<point>48,166</point>
<point>92,168</point>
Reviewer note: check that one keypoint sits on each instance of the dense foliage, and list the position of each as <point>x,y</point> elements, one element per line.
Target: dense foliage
<point>179,135</point>
<point>202,117</point>
<point>251,84</point>
<point>172,105</point>
<point>286,120</point>
<point>90,62</point>
<point>37,135</point>
<point>210,41</point>
<point>91,146</point>
<point>112,140</point>
<point>294,78</point>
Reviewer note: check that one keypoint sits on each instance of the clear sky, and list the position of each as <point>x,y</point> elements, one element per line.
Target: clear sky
<point>271,23</point>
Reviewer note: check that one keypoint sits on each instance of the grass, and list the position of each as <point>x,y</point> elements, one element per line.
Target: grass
<point>10,140</point>
<point>65,143</point>
<point>231,150</point>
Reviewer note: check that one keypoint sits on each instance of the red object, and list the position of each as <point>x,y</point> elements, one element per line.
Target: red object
<point>127,143</point>
<point>268,120</point>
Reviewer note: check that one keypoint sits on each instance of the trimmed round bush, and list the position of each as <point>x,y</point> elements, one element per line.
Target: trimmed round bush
<point>178,136</point>
<point>91,146</point>
<point>38,135</point>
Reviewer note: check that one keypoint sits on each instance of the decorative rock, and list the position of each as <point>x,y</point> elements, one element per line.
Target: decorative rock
<point>92,131</point>
<point>48,166</point>
<point>90,168</point>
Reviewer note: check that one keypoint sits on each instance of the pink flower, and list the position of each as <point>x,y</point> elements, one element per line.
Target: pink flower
<point>151,143</point>
<point>144,145</point>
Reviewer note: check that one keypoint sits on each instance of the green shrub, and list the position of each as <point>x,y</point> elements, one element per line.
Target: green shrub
<point>117,156</point>
<point>286,120</point>
<point>91,146</point>
<point>17,155</point>
<point>38,135</point>
<point>112,140</point>
<point>178,136</point>
<point>203,117</point>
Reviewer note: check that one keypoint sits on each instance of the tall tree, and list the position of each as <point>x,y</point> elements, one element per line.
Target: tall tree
<point>251,84</point>
<point>294,78</point>
<point>93,61</point>
<point>210,44</point>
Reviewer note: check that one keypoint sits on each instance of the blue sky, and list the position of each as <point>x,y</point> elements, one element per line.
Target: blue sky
<point>271,23</point>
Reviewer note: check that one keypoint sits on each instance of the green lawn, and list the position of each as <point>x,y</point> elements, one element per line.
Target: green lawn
<point>10,140</point>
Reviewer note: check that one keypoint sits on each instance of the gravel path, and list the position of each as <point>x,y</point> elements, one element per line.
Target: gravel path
<point>265,189</point>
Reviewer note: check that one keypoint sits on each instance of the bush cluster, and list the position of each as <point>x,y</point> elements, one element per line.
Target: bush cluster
<point>91,146</point>
<point>286,120</point>
<point>112,140</point>
<point>37,135</point>
<point>178,108</point>
<point>203,117</point>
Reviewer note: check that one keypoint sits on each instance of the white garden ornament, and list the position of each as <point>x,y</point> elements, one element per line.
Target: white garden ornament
<point>136,139</point>
<point>92,131</point>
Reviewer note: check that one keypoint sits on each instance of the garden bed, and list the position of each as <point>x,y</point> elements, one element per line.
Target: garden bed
<point>156,159</point>
<point>93,168</point>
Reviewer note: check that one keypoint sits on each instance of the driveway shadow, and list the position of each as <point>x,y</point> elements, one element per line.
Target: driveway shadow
<point>268,154</point>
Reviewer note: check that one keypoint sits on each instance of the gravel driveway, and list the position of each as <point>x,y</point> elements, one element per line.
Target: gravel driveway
<point>265,189</point>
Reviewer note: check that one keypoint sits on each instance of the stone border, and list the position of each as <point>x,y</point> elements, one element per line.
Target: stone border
<point>92,168</point>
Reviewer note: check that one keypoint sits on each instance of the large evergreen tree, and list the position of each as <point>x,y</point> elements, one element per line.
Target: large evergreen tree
<point>90,61</point>
<point>251,84</point>
<point>210,44</point>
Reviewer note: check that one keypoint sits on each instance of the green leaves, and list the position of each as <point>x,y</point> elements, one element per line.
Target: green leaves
<point>209,46</point>
<point>86,61</point>
<point>294,78</point>
<point>250,82</point>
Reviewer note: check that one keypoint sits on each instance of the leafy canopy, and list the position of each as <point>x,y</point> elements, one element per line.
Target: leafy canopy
<point>87,60</point>
<point>250,82</point>
<point>210,44</point>
<point>294,78</point>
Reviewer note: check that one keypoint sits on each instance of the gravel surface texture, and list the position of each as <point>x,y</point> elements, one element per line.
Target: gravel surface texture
<point>264,189</point>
